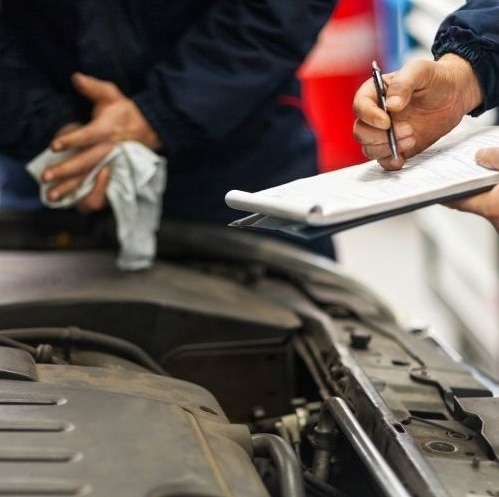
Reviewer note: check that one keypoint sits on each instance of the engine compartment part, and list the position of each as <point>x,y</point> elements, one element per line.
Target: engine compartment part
<point>238,367</point>
<point>95,434</point>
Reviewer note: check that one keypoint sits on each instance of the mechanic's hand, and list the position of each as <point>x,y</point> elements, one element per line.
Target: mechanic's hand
<point>115,118</point>
<point>426,100</point>
<point>484,204</point>
<point>83,161</point>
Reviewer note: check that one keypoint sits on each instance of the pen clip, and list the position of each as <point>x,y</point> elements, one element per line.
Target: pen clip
<point>381,87</point>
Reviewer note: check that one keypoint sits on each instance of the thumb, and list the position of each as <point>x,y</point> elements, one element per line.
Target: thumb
<point>488,157</point>
<point>96,200</point>
<point>415,75</point>
<point>96,90</point>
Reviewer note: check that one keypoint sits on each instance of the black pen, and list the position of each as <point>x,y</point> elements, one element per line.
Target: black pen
<point>381,91</point>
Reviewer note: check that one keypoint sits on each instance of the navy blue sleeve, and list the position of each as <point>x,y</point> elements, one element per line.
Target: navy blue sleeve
<point>472,32</point>
<point>31,111</point>
<point>227,64</point>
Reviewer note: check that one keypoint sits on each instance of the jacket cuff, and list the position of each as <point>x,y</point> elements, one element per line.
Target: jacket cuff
<point>480,60</point>
<point>165,124</point>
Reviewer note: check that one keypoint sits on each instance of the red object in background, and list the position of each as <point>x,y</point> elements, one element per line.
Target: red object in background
<point>338,64</point>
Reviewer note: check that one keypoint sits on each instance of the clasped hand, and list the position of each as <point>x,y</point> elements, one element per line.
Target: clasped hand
<point>115,118</point>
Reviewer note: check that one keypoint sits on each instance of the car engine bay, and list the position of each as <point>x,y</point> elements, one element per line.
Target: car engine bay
<point>237,366</point>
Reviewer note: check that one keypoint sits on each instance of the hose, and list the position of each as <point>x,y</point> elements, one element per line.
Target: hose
<point>284,459</point>
<point>78,336</point>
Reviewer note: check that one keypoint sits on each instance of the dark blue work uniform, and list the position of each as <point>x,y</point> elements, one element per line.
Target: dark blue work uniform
<point>214,78</point>
<point>472,32</point>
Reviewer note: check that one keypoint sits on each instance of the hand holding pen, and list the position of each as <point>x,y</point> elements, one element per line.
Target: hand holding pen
<point>426,99</point>
<point>381,91</point>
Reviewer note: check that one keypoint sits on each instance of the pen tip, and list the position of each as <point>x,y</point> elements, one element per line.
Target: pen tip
<point>375,65</point>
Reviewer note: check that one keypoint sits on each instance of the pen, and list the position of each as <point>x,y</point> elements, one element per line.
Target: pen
<point>381,91</point>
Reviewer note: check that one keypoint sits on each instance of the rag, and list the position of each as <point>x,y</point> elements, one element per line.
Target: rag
<point>135,192</point>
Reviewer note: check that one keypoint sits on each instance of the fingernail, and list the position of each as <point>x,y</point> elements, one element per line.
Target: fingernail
<point>53,195</point>
<point>380,123</point>
<point>404,130</point>
<point>47,176</point>
<point>393,101</point>
<point>406,143</point>
<point>479,157</point>
<point>486,157</point>
<point>56,146</point>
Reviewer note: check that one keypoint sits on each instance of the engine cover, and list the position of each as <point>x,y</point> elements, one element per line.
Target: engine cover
<point>69,430</point>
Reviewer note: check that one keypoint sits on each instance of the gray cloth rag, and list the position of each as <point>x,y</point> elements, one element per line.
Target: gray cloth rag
<point>135,191</point>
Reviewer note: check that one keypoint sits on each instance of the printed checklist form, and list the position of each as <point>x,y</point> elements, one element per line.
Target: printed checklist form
<point>364,192</point>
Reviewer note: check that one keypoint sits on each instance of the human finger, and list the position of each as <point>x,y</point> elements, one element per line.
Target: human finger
<point>375,144</point>
<point>61,189</point>
<point>96,90</point>
<point>402,84</point>
<point>369,136</point>
<point>77,165</point>
<point>97,131</point>
<point>488,157</point>
<point>366,108</point>
<point>484,204</point>
<point>382,153</point>
<point>389,163</point>
<point>96,200</point>
<point>68,128</point>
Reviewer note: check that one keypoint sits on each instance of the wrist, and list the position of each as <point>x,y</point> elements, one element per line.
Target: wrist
<point>464,80</point>
<point>142,131</point>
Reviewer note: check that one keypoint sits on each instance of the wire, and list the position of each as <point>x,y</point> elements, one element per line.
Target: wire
<point>75,335</point>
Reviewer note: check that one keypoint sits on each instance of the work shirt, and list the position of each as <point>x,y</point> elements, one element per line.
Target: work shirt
<point>214,78</point>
